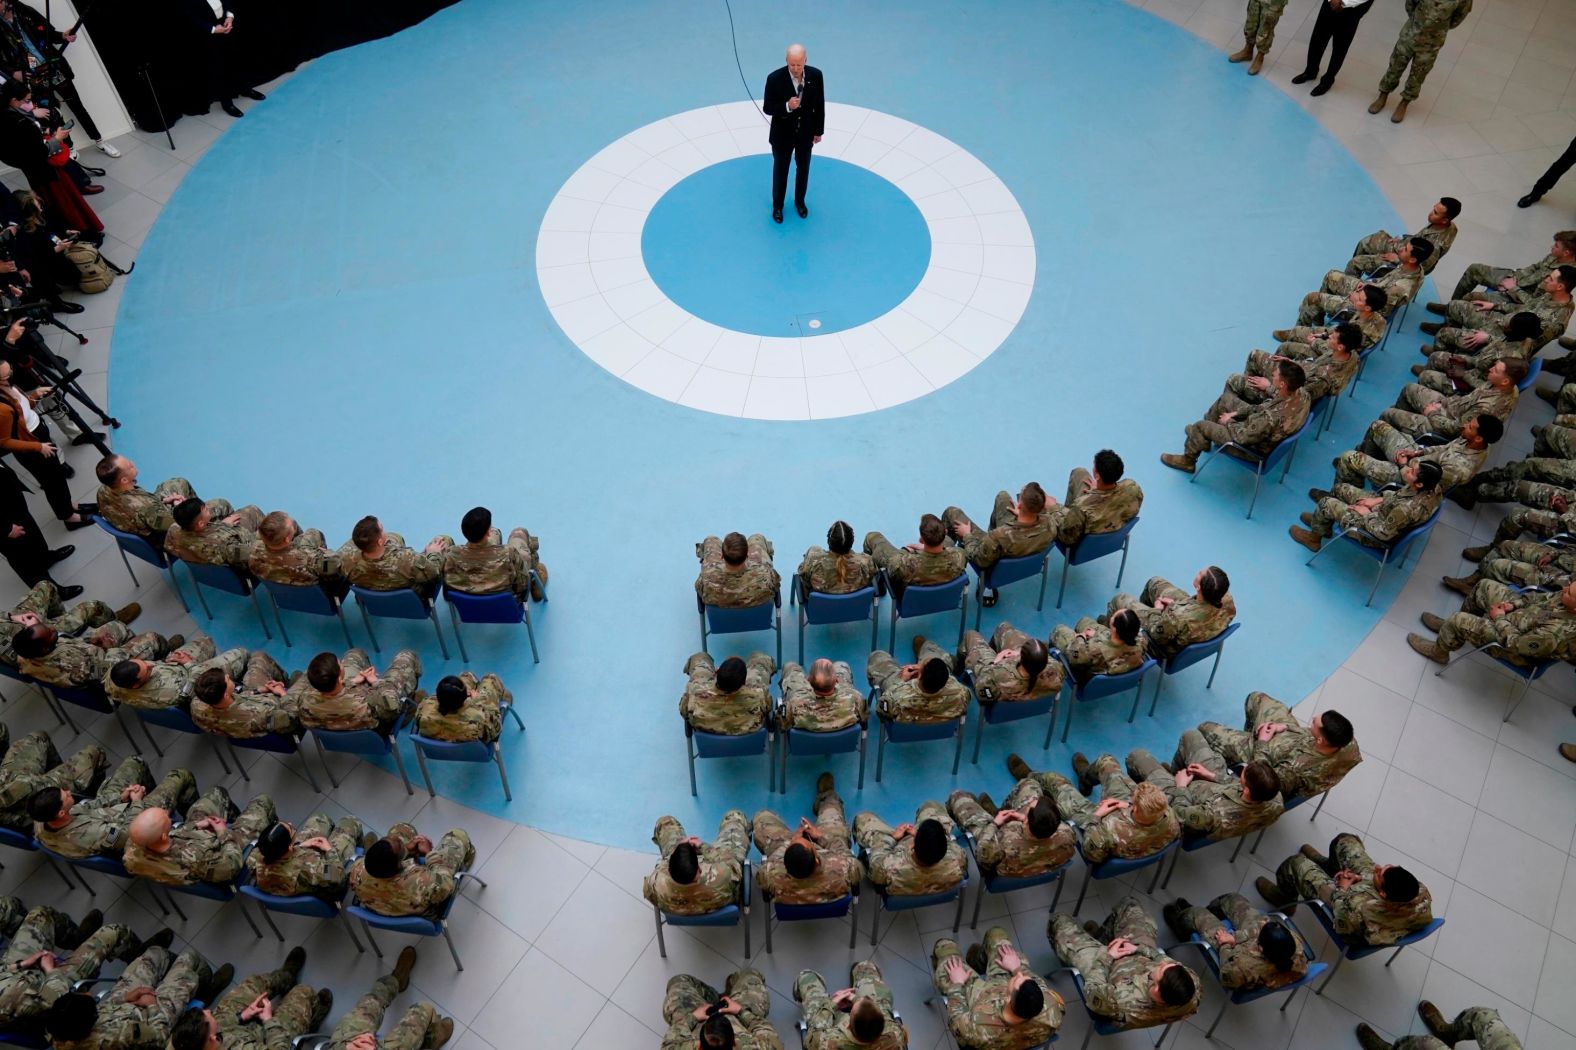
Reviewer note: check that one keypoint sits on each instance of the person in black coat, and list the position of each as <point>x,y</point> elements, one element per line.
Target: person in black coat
<point>32,49</point>
<point>211,24</point>
<point>796,102</point>
<point>22,541</point>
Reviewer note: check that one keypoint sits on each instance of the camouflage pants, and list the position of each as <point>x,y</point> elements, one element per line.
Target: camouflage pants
<point>175,978</point>
<point>733,837</point>
<point>872,833</point>
<point>1303,879</point>
<point>770,831</point>
<point>1464,628</point>
<point>1480,275</point>
<point>685,994</point>
<point>410,1033</point>
<point>1195,747</point>
<point>44,599</point>
<point>257,669</point>
<point>1408,416</point>
<point>1477,1024</point>
<point>1075,947</point>
<point>1518,564</point>
<point>1462,314</point>
<point>1297,345</point>
<point>1259,26</point>
<point>1336,509</point>
<point>1202,921</point>
<point>1419,49</point>
<point>295,1005</point>
<point>1375,460</point>
<point>980,957</point>
<point>43,930</point>
<point>1506,483</point>
<point>31,763</point>
<point>1535,520</point>
<point>1062,639</point>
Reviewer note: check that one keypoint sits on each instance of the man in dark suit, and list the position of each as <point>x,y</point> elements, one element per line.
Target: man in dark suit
<point>796,102</point>
<point>22,541</point>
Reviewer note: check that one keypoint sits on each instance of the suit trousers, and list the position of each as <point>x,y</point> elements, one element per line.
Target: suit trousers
<point>1339,26</point>
<point>782,153</point>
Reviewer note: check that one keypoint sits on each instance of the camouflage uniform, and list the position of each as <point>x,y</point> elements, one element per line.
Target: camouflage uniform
<point>1088,510</point>
<point>125,1026</point>
<point>1427,22</point>
<point>1370,251</point>
<point>418,889</point>
<point>364,706</point>
<point>828,1026</point>
<point>905,701</point>
<point>903,566</point>
<point>295,1012</point>
<point>82,663</point>
<point>480,717</point>
<point>1105,653</point>
<point>839,872</point>
<point>412,1032</point>
<point>1556,440</point>
<point>1006,538</point>
<point>253,711</point>
<point>44,602</point>
<point>823,572</point>
<point>1324,373</point>
<point>975,1008</point>
<point>751,1029</point>
<point>25,995</point>
<point>305,870</point>
<point>1454,411</point>
<point>1243,967</point>
<point>1008,849</point>
<point>1457,461</point>
<point>146,514</point>
<point>1528,564</point>
<point>705,707</point>
<point>169,683</point>
<point>305,562</point>
<point>804,709</point>
<point>1476,1024</point>
<point>1303,770</point>
<point>1207,809</point>
<point>1297,346</point>
<point>891,864</point>
<point>1117,990</point>
<point>1539,521</point>
<point>219,543</point>
<point>33,763</point>
<point>1555,316</point>
<point>754,583</point>
<point>97,826</point>
<point>398,568</point>
<point>1399,510</point>
<point>1001,680</point>
<point>1361,916</point>
<point>721,870</point>
<point>1538,629</point>
<point>1519,481</point>
<point>1183,622</point>
<point>1259,28</point>
<point>1529,279</point>
<point>1116,834</point>
<point>494,567</point>
<point>199,854</point>
<point>1258,427</point>
<point>1399,284</point>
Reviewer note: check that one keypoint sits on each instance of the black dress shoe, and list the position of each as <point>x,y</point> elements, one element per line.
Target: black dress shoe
<point>60,306</point>
<point>777,215</point>
<point>253,94</point>
<point>1322,87</point>
<point>1305,76</point>
<point>88,437</point>
<point>69,591</point>
<point>1528,201</point>
<point>60,554</point>
<point>804,213</point>
<point>73,526</point>
<point>232,109</point>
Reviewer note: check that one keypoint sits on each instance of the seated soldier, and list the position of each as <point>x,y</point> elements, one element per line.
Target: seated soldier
<point>32,764</point>
<point>1365,307</point>
<point>1371,904</point>
<point>1377,249</point>
<point>1127,980</point>
<point>348,693</point>
<point>930,561</point>
<point>266,1011</point>
<point>285,554</point>
<point>140,1009</point>
<point>421,1028</point>
<point>1385,450</point>
<point>1208,800</point>
<point>380,561</point>
<point>1527,566</point>
<point>485,564</point>
<point>1025,837</point>
<point>48,954</point>
<point>1173,619</point>
<point>932,862</point>
<point>1090,647</point>
<point>43,605</point>
<point>1528,628</point>
<point>138,511</point>
<point>1475,1024</point>
<point>1383,517</point>
<point>921,693</point>
<point>1101,501</point>
<point>462,709</point>
<point>206,847</point>
<point>1017,527</point>
<point>1257,951</point>
<point>1131,821</point>
<point>259,704</point>
<point>312,859</point>
<point>733,699</point>
<point>857,1016</point>
<point>158,685</point>
<point>697,1016</point>
<point>389,881</point>
<point>1490,313</point>
<point>1009,667</point>
<point>812,865</point>
<point>694,878</point>
<point>97,826</point>
<point>82,663</point>
<point>735,572</point>
<point>838,569</point>
<point>1256,427</point>
<point>1500,281</point>
<point>1459,359</point>
<point>198,538</point>
<point>1307,760</point>
<point>994,1001</point>
<point>1326,372</point>
<point>1419,410</point>
<point>823,701</point>
<point>1400,281</point>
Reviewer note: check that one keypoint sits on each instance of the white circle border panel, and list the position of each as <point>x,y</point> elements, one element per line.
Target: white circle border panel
<point>974,291</point>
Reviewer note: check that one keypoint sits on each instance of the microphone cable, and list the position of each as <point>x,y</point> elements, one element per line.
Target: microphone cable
<point>733,33</point>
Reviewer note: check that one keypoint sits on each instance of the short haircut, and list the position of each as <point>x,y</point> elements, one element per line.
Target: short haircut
<point>191,1030</point>
<point>1215,585</point>
<point>1377,297</point>
<point>1350,335</point>
<point>930,842</point>
<point>799,860</point>
<point>275,528</point>
<point>366,533</point>
<point>14,91</point>
<point>933,675</point>
<point>125,674</point>
<point>1515,368</point>
<point>108,470</point>
<point>1567,238</point>
<point>1028,1000</point>
<point>1032,498</point>
<point>33,642</point>
<point>1149,803</point>
<point>1261,780</point>
<point>43,805</point>
<point>732,675</point>
<point>932,530</point>
<point>72,1016</point>
<point>1278,945</point>
<point>716,1033</point>
<point>1177,986</point>
<point>476,524</point>
<point>684,864</point>
<point>274,842</point>
<point>1567,275</point>
<point>1044,817</point>
<point>1452,207</point>
<point>187,511</point>
<point>1490,429</point>
<point>1422,248</point>
<point>1293,374</point>
<point>1109,466</point>
<point>735,548</point>
<point>451,694</point>
<point>1523,325</point>
<point>210,686</point>
<point>1400,885</point>
<point>1336,727</point>
<point>840,537</point>
<point>323,672</point>
<point>1032,657</point>
<point>866,1022</point>
<point>382,860</point>
<point>1428,475</point>
<point>1125,625</point>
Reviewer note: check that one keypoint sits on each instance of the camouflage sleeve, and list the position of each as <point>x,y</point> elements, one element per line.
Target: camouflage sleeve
<point>404,834</point>
<point>819,1013</point>
<point>1346,909</point>
<point>667,834</point>
<point>1194,817</point>
<point>1098,841</point>
<point>1459,15</point>
<point>1548,640</point>
<point>1255,427</point>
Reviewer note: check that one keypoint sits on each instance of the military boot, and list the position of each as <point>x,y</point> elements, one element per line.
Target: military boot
<point>1243,55</point>
<point>1379,103</point>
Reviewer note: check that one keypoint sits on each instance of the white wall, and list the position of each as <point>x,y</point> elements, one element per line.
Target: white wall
<point>93,83</point>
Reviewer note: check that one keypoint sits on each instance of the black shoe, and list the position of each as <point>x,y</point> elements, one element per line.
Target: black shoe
<point>777,215</point>
<point>86,928</point>
<point>211,989</point>
<point>73,526</point>
<point>804,213</point>
<point>989,598</point>
<point>234,111</point>
<point>68,470</point>
<point>1322,88</point>
<point>88,437</point>
<point>69,591</point>
<point>1305,76</point>
<point>1528,201</point>
<point>60,306</point>
<point>95,172</point>
<point>253,94</point>
<point>60,554</point>
<point>1172,913</point>
<point>1084,773</point>
<point>294,961</point>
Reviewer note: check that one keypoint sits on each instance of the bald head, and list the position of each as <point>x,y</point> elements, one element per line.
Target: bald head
<point>823,676</point>
<point>150,830</point>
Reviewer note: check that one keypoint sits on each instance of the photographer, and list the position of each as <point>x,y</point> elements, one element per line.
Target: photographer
<point>25,436</point>
<point>42,158</point>
<point>30,51</point>
<point>32,258</point>
<point>35,365</point>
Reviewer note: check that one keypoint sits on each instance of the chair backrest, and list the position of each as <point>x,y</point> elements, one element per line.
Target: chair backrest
<point>485,608</point>
<point>1113,867</point>
<point>277,743</point>
<point>1103,685</point>
<point>414,925</point>
<point>308,598</point>
<point>90,697</point>
<point>135,545</point>
<point>7,671</point>
<point>1003,711</point>
<point>305,904</point>
<point>220,578</point>
<point>720,620</point>
<point>1283,448</point>
<point>366,742</point>
<point>1534,369</point>
<point>1198,651</point>
<point>208,891</point>
<point>450,751</point>
<point>838,608</point>
<point>403,604</point>
<point>924,599</point>
<point>1427,931</point>
<point>1011,570</point>
<point>804,912</point>
<point>724,745</point>
<point>913,732</point>
<point>168,718</point>
<point>1098,544</point>
<point>831,742</point>
<point>17,839</point>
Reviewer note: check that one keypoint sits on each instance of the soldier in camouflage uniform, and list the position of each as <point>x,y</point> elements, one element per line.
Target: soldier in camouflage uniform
<point>312,859</point>
<point>42,605</point>
<point>1258,31</point>
<point>1520,564</point>
<point>859,1016</point>
<point>1131,821</point>
<point>692,1007</point>
<point>1098,501</point>
<point>1009,666</point>
<point>158,685</point>
<point>1381,247</point>
<point>140,1009</point>
<point>1308,760</point>
<point>390,882</point>
<point>462,709</point>
<point>735,572</point>
<point>1257,951</point>
<point>1423,34</point>
<point>1475,1024</point>
<point>1025,837</point>
<point>198,538</point>
<point>266,1011</point>
<point>810,865</point>
<point>97,826</point>
<point>1538,481</point>
<point>824,701</point>
<point>1552,306</point>
<point>1400,283</point>
<point>1127,979</point>
<point>48,953</point>
<point>1090,647</point>
<point>1498,280</point>
<point>1172,618</point>
<point>1209,801</point>
<point>1258,427</point>
<point>485,564</point>
<point>1017,528</point>
<point>1385,450</point>
<point>733,699</point>
<point>286,554</point>
<point>421,1027</point>
<point>206,847</point>
<point>839,569</point>
<point>1527,628</point>
<point>1464,358</point>
<point>379,561</point>
<point>931,862</point>
<point>1419,410</point>
<point>32,763</point>
<point>1371,904</point>
<point>1557,439</point>
<point>1384,517</point>
<point>348,693</point>
<point>923,692</point>
<point>930,561</point>
<point>82,663</point>
<point>994,1001</point>
<point>258,704</point>
<point>694,878</point>
<point>136,510</point>
<point>1541,521</point>
<point>1365,307</point>
<point>1328,366</point>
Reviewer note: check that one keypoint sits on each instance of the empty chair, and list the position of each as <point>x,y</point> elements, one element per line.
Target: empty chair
<point>1101,686</point>
<point>1189,655</point>
<point>405,604</point>
<point>916,600</point>
<point>1259,463</point>
<point>700,744</point>
<point>129,543</point>
<point>223,578</point>
<point>1092,546</point>
<point>734,914</point>
<point>310,599</point>
<point>415,925</point>
<point>489,608</point>
<point>1007,571</point>
<point>717,619</point>
<point>819,609</point>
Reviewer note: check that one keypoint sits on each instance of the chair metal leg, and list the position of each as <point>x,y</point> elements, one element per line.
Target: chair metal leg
<point>176,584</point>
<point>202,599</point>
<point>875,924</point>
<point>979,898</point>
<point>853,921</point>
<point>1163,1033</point>
<point>801,633</point>
<point>662,947</point>
<point>864,746</point>
<point>779,619</point>
<point>1339,959</point>
<point>1138,696</point>
<point>322,757</point>
<point>503,774</point>
<point>269,919</point>
<point>957,752</point>
<point>1216,1022</point>
<point>244,774</point>
<point>979,732</point>
<point>1392,958</point>
<point>1176,858</point>
<point>880,752</point>
<point>257,605</point>
<point>1292,995</point>
<point>421,761</point>
<point>368,931</point>
<point>1158,867</point>
<point>65,877</point>
<point>957,918</point>
<point>64,710</point>
<point>689,748</point>
<point>399,763</point>
<point>366,621</point>
<point>768,928</point>
<point>157,750</point>
<point>173,903</point>
<point>1214,667</point>
<point>127,562</point>
<point>1240,840</point>
<point>963,615</point>
<point>247,914</point>
<point>1083,889</point>
<point>1160,684</point>
<point>450,942</point>
<point>875,623</point>
<point>744,920</point>
<point>339,610</point>
<point>120,719</point>
<point>1378,575</point>
<point>283,631</point>
<point>306,767</point>
<point>782,765</point>
<point>350,928</point>
<point>1061,883</point>
<point>892,632</point>
<point>1045,572</point>
<point>1319,807</point>
<point>1068,725</point>
<point>1062,591</point>
<point>1050,727</point>
<point>1122,568</point>
<point>1255,847</point>
<point>1258,479</point>
<point>459,639</point>
<point>1526,687</point>
<point>530,634</point>
<point>703,630</point>
<point>443,647</point>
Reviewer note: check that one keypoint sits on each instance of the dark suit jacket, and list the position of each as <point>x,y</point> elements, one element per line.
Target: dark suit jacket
<point>198,16</point>
<point>804,123</point>
<point>44,35</point>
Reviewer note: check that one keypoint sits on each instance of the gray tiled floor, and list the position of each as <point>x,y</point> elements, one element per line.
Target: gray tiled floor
<point>1483,811</point>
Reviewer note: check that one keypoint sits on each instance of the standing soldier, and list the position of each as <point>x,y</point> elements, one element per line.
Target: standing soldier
<point>389,881</point>
<point>1427,22</point>
<point>1258,32</point>
<point>693,878</point>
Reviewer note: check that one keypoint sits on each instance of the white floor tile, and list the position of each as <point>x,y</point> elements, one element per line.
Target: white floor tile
<point>1492,945</point>
<point>542,998</point>
<point>598,933</point>
<point>1554,1002</point>
<point>1444,753</point>
<point>1513,868</point>
<point>1422,820</point>
<point>1531,797</point>
<point>528,880</point>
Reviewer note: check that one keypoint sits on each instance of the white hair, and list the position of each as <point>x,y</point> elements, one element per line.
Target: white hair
<point>795,47</point>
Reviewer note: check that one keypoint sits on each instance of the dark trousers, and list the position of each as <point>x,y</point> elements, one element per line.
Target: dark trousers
<point>800,155</point>
<point>1339,26</point>
<point>27,554</point>
<point>50,473</point>
<point>66,91</point>
<point>1556,171</point>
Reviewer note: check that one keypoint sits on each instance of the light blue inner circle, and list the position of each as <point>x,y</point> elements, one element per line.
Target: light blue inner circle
<point>862,250</point>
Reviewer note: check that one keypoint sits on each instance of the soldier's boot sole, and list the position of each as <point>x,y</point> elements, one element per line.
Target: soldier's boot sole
<point>1243,55</point>
<point>976,959</point>
<point>294,961</point>
<point>1436,1024</point>
<point>403,966</point>
<point>1426,647</point>
<point>128,612</point>
<point>1274,895</point>
<point>919,643</point>
<point>441,1032</point>
<point>1369,1039</point>
<point>1379,103</point>
<point>1092,928</point>
<point>1305,538</point>
<point>175,642</point>
<point>325,1006</point>
<point>1083,772</point>
<point>1017,766</point>
<point>87,927</point>
<point>1257,66</point>
<point>987,803</point>
<point>1433,621</point>
<point>1177,462</point>
<point>1417,370</point>
<point>1460,584</point>
<point>1430,327</point>
<point>1400,111</point>
<point>1316,494</point>
<point>1474,553</point>
<point>825,783</point>
<point>1437,308</point>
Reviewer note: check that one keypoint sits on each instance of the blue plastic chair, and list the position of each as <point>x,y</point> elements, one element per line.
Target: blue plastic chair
<point>851,739</point>
<point>364,743</point>
<point>223,578</point>
<point>1524,674</point>
<point>176,720</point>
<point>1007,571</point>
<point>1239,998</point>
<point>274,743</point>
<point>1115,867</point>
<point>735,914</point>
<point>129,543</point>
<point>404,604</point>
<point>89,699</point>
<point>1095,545</point>
<point>1321,911</point>
<point>1192,843</point>
<point>991,883</point>
<point>110,866</point>
<point>820,609</point>
<point>925,599</point>
<point>310,599</point>
<point>767,616</point>
<point>847,904</point>
<point>1259,463</point>
<point>9,672</point>
<point>208,891</point>
<point>415,925</point>
<point>305,905</point>
<point>489,608</point>
<point>700,744</point>
<point>1534,369</point>
<point>914,733</point>
<point>1101,686</point>
<point>1189,655</point>
<point>1397,549</point>
<point>913,901</point>
<point>28,844</point>
<point>1001,712</point>
<point>470,751</point>
<point>1097,1024</point>
<point>1291,804</point>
